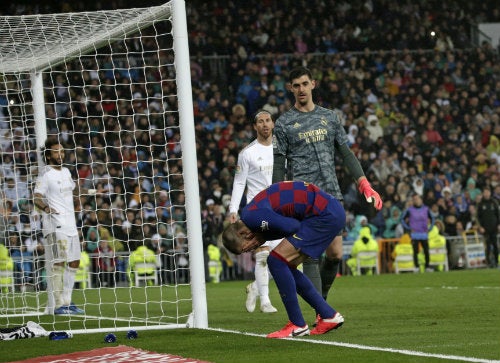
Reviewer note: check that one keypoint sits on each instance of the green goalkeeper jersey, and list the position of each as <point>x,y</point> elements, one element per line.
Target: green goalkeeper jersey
<point>307,140</point>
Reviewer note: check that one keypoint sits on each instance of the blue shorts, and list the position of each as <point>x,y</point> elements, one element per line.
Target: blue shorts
<point>317,232</point>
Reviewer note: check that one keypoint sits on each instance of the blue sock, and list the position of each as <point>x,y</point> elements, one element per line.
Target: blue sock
<point>285,282</point>
<point>308,292</point>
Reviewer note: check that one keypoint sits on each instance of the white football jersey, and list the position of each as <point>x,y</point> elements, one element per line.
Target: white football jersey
<point>254,171</point>
<point>57,188</point>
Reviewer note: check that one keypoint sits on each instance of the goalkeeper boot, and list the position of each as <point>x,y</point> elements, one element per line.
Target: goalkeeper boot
<point>325,325</point>
<point>252,294</point>
<point>290,330</point>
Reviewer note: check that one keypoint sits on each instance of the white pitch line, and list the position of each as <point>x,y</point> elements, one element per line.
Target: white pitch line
<point>368,347</point>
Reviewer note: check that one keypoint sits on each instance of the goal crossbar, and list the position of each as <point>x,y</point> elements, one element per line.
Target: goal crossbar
<point>27,43</point>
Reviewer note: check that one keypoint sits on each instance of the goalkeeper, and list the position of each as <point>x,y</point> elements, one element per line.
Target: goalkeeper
<point>307,136</point>
<point>308,219</point>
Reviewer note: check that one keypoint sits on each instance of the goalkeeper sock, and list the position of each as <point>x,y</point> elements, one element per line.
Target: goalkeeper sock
<point>328,271</point>
<point>57,284</point>
<point>311,270</point>
<point>262,276</point>
<point>308,292</point>
<point>68,284</point>
<point>285,281</point>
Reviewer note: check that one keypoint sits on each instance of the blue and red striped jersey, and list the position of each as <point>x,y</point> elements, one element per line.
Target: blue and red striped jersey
<point>278,210</point>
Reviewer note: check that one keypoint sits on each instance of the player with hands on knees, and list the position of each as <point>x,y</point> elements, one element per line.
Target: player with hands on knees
<point>306,219</point>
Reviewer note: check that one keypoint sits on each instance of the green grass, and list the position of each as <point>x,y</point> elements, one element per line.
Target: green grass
<point>451,314</point>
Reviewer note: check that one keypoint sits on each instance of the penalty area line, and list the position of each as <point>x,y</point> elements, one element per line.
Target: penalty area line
<point>368,347</point>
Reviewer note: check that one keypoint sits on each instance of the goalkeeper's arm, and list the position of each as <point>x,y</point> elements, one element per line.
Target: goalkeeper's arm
<point>351,162</point>
<point>356,171</point>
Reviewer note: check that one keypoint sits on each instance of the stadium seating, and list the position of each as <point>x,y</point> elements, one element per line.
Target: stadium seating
<point>438,257</point>
<point>6,281</point>
<point>404,263</point>
<point>145,277</point>
<point>367,260</point>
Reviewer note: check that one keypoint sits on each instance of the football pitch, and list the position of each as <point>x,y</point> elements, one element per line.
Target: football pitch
<point>433,317</point>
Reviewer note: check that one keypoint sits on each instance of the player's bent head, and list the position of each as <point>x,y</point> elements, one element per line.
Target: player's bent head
<point>231,239</point>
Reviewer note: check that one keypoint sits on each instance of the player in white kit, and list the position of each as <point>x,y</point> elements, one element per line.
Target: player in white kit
<point>254,172</point>
<point>53,195</point>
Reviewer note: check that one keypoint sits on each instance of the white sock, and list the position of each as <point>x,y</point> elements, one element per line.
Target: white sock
<point>69,283</point>
<point>57,284</point>
<point>51,304</point>
<point>262,276</point>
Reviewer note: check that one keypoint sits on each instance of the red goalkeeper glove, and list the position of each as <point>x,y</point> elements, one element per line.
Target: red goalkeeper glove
<point>371,195</point>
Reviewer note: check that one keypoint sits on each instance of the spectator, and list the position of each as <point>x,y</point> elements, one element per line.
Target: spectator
<point>214,263</point>
<point>472,190</point>
<point>437,240</point>
<point>141,255</point>
<point>181,257</point>
<point>393,228</point>
<point>360,222</point>
<point>364,243</point>
<point>105,264</point>
<point>403,247</point>
<point>374,129</point>
<point>489,220</point>
<point>22,254</point>
<point>92,240</point>
<point>81,279</point>
<point>6,265</point>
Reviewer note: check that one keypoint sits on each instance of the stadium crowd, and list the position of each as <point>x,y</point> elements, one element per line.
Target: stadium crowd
<point>421,103</point>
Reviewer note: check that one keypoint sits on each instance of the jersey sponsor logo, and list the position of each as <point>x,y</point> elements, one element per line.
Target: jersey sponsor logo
<point>266,168</point>
<point>66,189</point>
<point>313,136</point>
<point>264,226</point>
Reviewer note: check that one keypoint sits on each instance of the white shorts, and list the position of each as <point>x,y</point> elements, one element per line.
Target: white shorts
<point>272,244</point>
<point>60,247</point>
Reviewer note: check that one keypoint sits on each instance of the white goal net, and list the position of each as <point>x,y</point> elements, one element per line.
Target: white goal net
<point>114,88</point>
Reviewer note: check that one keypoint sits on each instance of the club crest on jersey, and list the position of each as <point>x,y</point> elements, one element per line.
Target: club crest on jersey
<point>296,125</point>
<point>238,169</point>
<point>264,226</point>
<point>323,121</point>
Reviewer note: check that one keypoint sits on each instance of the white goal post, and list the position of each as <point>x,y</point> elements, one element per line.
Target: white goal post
<point>114,87</point>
